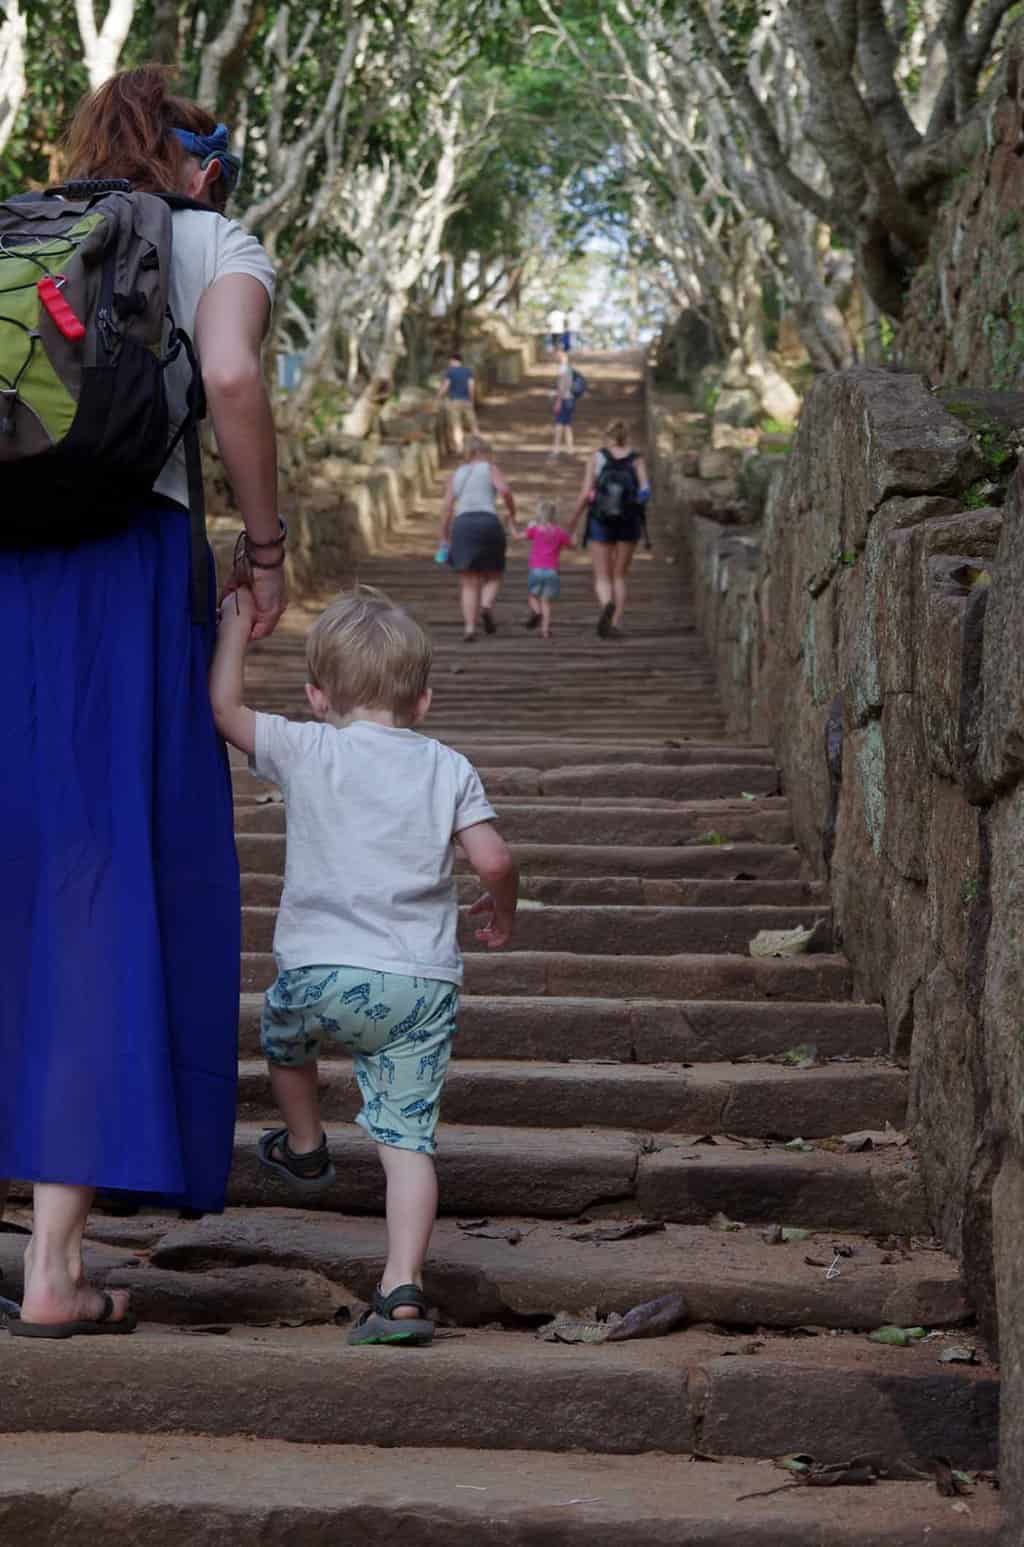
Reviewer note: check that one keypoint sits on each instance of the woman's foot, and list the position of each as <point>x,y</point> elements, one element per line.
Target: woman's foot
<point>604,622</point>
<point>469,637</point>
<point>615,632</point>
<point>533,621</point>
<point>487,619</point>
<point>55,1300</point>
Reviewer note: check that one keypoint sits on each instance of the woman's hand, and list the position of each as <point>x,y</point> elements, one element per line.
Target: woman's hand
<point>270,597</point>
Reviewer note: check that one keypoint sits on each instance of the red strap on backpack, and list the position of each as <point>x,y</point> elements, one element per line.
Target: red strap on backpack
<point>66,322</point>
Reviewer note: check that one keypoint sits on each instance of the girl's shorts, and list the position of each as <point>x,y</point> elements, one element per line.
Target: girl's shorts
<point>399,1031</point>
<point>545,583</point>
<point>565,410</point>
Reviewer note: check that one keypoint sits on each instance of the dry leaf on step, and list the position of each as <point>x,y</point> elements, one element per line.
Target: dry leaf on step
<point>781,942</point>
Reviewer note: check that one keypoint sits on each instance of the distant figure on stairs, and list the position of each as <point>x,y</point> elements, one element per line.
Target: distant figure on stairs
<point>556,329</point>
<point>120,947</point>
<point>473,538</point>
<point>366,944</point>
<point>458,395</point>
<point>614,493</point>
<point>569,388</point>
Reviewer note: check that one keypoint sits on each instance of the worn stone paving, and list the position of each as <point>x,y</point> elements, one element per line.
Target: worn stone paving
<point>627,1060</point>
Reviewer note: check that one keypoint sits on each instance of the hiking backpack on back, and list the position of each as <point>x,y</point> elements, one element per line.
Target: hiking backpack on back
<point>578,384</point>
<point>85,339</point>
<point>617,488</point>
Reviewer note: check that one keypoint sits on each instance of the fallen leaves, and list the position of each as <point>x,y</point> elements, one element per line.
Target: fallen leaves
<point>897,1337</point>
<point>781,942</point>
<point>654,1318</point>
<point>483,1230</point>
<point>619,1232</point>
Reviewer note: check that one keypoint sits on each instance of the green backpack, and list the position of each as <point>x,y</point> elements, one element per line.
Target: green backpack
<point>86,336</point>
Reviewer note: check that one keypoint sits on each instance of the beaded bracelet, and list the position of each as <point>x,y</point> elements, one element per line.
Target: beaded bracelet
<point>246,550</point>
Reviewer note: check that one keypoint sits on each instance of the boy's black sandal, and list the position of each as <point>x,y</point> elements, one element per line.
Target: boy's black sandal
<point>309,1174</point>
<point>378,1324</point>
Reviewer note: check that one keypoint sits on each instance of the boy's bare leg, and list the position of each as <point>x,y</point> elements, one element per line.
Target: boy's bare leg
<point>545,618</point>
<point>297,1093</point>
<point>411,1212</point>
<point>569,442</point>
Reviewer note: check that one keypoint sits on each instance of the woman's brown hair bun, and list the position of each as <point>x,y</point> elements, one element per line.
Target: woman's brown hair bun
<point>616,433</point>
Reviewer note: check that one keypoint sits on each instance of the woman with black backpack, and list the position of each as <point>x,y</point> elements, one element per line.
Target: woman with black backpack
<point>120,950</point>
<point>615,491</point>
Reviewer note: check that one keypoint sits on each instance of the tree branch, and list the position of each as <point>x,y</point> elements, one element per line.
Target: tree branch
<point>13,32</point>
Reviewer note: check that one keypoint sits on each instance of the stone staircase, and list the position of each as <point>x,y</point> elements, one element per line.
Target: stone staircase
<point>627,1061</point>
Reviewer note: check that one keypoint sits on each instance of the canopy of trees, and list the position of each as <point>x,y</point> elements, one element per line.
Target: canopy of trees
<point>407,160</point>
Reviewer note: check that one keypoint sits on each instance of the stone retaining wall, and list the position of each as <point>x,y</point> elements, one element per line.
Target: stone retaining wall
<point>871,630</point>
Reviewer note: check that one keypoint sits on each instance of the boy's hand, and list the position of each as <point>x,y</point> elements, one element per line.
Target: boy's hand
<point>238,610</point>
<point>497,931</point>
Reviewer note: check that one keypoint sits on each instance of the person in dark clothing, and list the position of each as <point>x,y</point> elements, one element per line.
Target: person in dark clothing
<point>458,394</point>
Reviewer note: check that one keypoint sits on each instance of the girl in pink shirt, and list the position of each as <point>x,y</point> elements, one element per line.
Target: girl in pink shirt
<point>547,539</point>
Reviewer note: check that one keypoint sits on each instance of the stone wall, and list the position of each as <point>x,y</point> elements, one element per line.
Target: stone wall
<point>965,310</point>
<point>871,629</point>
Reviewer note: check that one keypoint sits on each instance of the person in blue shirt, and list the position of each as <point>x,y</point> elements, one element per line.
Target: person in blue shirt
<point>458,393</point>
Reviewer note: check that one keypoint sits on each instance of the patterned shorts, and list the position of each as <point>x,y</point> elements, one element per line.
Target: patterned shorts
<point>399,1031</point>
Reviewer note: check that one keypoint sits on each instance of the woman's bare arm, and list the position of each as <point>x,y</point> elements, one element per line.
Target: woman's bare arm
<point>589,479</point>
<point>501,488</point>
<point>448,510</point>
<point>231,323</point>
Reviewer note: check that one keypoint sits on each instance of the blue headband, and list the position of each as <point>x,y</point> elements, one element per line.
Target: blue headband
<point>213,147</point>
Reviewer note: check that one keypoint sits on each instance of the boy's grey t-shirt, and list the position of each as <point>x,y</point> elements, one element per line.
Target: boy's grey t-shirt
<point>372,811</point>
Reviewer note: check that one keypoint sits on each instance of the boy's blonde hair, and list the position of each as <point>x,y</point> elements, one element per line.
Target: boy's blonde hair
<point>364,652</point>
<point>547,512</point>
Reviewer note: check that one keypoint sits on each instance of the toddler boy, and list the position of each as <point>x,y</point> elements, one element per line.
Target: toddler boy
<point>366,933</point>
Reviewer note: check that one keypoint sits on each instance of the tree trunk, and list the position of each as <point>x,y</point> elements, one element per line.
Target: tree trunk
<point>362,415</point>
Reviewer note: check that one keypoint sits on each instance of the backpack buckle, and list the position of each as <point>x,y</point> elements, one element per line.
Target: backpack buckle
<point>7,424</point>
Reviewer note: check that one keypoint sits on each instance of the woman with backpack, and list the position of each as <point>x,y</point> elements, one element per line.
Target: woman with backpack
<point>615,490</point>
<point>473,539</point>
<point>120,950</point>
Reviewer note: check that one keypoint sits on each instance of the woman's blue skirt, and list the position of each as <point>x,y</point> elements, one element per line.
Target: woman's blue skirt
<point>119,899</point>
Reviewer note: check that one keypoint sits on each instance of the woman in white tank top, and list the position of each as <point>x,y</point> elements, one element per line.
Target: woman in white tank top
<point>473,534</point>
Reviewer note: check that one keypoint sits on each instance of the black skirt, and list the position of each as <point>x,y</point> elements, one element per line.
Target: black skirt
<point>477,542</point>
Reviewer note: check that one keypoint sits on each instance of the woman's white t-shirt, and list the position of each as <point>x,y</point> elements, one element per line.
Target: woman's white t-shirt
<point>207,246</point>
<point>473,488</point>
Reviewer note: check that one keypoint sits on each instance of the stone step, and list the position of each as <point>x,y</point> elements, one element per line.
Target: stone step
<point>503,1170</point>
<point>831,1397</point>
<point>723,781</point>
<point>641,1031</point>
<point>750,1100</point>
<point>205,1270</point>
<point>564,974</point>
<point>605,930</point>
<point>126,1490</point>
<point>264,891</point>
<point>705,824</point>
<point>264,853</point>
